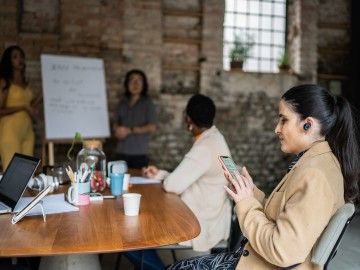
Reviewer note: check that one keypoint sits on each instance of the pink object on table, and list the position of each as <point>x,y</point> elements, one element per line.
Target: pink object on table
<point>84,199</point>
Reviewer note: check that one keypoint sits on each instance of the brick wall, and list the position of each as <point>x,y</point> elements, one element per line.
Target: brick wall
<point>179,46</point>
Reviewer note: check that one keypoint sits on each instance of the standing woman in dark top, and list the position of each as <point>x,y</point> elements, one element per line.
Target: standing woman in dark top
<point>136,121</point>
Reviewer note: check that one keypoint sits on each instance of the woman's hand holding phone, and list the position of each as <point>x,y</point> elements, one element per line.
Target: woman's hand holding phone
<point>242,185</point>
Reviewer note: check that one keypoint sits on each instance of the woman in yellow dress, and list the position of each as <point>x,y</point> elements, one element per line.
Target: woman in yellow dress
<point>17,107</point>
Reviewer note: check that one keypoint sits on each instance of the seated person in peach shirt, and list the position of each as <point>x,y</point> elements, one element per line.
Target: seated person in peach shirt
<point>199,179</point>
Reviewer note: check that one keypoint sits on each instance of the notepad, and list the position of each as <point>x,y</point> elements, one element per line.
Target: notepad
<point>53,204</point>
<point>143,181</point>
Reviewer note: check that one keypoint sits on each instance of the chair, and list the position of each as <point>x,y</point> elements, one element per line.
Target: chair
<point>231,244</point>
<point>326,248</point>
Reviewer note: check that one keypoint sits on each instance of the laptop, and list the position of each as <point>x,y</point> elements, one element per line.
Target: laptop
<point>14,181</point>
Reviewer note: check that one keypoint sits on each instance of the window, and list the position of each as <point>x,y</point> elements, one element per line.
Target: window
<point>260,23</point>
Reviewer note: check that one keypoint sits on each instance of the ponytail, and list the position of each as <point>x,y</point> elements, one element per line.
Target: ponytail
<point>337,125</point>
<point>342,139</point>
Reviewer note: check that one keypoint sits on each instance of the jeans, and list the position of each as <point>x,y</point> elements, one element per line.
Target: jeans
<point>148,258</point>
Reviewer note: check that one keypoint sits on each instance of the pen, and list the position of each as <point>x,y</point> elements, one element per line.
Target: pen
<point>109,196</point>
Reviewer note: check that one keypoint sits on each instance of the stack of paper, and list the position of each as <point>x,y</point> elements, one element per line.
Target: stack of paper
<point>143,180</point>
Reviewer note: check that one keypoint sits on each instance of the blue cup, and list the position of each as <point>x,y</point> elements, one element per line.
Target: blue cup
<point>116,183</point>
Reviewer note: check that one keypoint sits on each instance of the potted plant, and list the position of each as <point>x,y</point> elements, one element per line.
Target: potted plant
<point>283,61</point>
<point>240,52</point>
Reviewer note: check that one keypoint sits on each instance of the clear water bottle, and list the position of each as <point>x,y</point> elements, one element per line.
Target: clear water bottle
<point>91,165</point>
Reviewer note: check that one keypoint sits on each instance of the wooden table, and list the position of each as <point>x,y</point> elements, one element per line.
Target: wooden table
<point>102,227</point>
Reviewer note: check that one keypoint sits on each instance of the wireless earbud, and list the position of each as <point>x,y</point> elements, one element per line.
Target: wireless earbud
<point>307,126</point>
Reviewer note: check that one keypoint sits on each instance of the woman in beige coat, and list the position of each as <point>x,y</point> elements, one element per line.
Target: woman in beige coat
<point>282,230</point>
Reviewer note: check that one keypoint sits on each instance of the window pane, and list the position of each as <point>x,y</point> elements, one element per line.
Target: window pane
<point>255,51</point>
<point>241,6</point>
<point>230,5</point>
<point>266,37</point>
<point>265,66</point>
<point>252,36</point>
<point>279,38</point>
<point>277,52</point>
<point>228,35</point>
<point>258,37</point>
<point>229,19</point>
<point>254,7</point>
<point>241,20</point>
<point>251,64</point>
<point>279,24</point>
<point>254,21</point>
<point>265,52</point>
<point>266,23</point>
<point>227,47</point>
<point>279,9</point>
<point>266,8</point>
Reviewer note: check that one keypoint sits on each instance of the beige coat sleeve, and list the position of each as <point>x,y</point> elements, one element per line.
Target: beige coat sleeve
<point>301,213</point>
<point>259,195</point>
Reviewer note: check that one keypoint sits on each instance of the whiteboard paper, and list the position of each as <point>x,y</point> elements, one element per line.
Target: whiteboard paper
<point>74,97</point>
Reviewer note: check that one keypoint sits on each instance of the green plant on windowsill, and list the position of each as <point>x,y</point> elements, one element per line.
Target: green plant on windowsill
<point>240,51</point>
<point>283,61</point>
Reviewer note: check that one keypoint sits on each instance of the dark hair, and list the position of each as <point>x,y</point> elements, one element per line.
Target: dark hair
<point>6,69</point>
<point>201,109</point>
<point>127,79</point>
<point>337,125</point>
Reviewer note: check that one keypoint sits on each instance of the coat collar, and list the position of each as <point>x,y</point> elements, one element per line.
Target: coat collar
<point>316,149</point>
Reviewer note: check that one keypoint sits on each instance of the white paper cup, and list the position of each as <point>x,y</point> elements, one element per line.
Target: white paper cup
<point>126,181</point>
<point>131,203</point>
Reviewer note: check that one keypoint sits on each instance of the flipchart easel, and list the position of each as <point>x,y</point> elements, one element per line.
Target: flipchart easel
<point>74,100</point>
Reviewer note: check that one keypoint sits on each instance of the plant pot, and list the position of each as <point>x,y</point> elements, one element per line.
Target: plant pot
<point>284,68</point>
<point>237,65</point>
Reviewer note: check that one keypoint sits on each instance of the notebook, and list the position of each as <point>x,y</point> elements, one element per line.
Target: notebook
<point>15,179</point>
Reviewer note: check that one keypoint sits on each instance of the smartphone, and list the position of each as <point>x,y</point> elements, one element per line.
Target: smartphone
<point>229,165</point>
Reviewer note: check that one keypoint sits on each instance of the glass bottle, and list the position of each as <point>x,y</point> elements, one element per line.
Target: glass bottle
<point>93,159</point>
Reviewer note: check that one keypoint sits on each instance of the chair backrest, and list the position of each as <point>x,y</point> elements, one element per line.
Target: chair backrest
<point>326,247</point>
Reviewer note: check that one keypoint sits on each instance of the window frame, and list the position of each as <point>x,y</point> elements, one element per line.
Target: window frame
<point>275,49</point>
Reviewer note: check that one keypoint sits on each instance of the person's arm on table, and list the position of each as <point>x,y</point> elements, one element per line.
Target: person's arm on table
<point>194,164</point>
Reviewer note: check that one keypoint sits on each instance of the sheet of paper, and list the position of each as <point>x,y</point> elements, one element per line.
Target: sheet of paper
<point>53,204</point>
<point>142,180</point>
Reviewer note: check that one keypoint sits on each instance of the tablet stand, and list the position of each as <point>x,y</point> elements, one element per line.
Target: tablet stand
<point>39,203</point>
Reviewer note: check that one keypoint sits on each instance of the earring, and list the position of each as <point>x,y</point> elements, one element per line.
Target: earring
<point>190,127</point>
<point>307,126</point>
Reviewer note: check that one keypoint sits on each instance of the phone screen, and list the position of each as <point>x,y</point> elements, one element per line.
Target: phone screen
<point>229,164</point>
